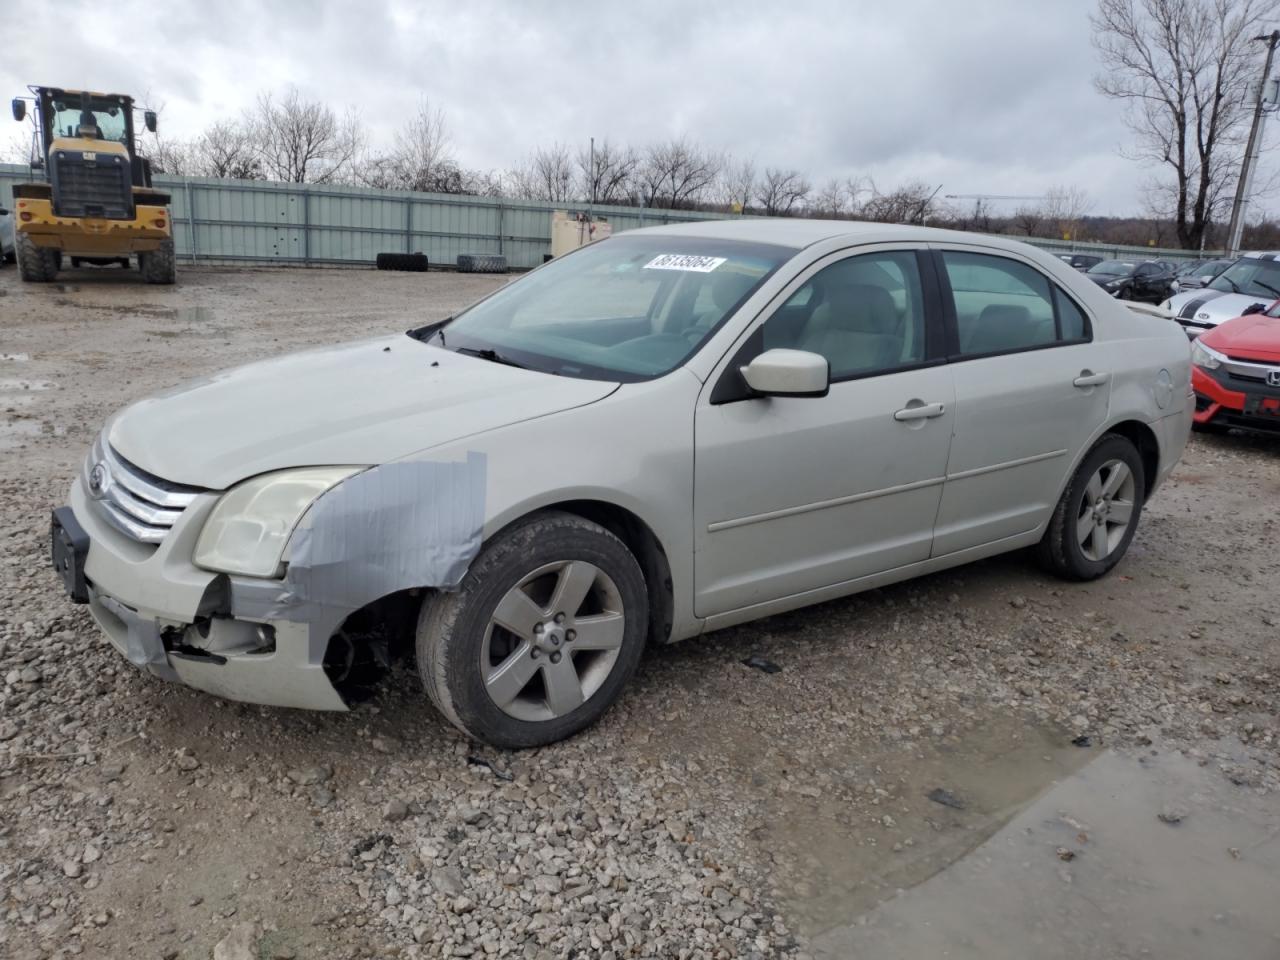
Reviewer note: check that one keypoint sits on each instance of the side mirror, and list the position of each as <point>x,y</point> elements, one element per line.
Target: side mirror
<point>1253,308</point>
<point>4,211</point>
<point>788,373</point>
<point>19,109</point>
<point>149,118</point>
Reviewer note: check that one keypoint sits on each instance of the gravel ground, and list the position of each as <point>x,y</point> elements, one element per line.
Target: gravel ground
<point>719,811</point>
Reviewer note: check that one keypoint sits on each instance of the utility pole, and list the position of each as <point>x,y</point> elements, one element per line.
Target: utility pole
<point>1234,232</point>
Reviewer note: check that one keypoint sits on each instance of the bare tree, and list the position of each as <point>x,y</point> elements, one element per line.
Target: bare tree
<point>833,199</point>
<point>1182,67</point>
<point>422,158</point>
<point>1064,208</point>
<point>911,202</point>
<point>225,149</point>
<point>736,185</point>
<point>301,141</point>
<point>606,173</point>
<point>174,157</point>
<point>676,174</point>
<point>1029,220</point>
<point>546,174</point>
<point>780,190</point>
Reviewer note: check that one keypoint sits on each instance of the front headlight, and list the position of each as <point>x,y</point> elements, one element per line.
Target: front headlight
<point>1205,357</point>
<point>1112,284</point>
<point>247,530</point>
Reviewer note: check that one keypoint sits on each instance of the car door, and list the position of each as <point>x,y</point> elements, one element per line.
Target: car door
<point>1150,281</point>
<point>1031,388</point>
<point>793,494</point>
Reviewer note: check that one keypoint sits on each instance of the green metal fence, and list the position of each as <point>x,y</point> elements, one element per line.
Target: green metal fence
<point>251,221</point>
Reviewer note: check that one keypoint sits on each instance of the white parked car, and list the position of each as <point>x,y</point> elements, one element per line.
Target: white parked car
<point>1250,285</point>
<point>8,252</point>
<point>658,435</point>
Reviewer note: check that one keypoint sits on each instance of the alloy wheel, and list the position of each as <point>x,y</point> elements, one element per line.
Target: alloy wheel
<point>1106,510</point>
<point>552,640</point>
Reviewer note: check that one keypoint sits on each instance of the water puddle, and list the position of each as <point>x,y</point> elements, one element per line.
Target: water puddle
<point>1152,856</point>
<point>929,805</point>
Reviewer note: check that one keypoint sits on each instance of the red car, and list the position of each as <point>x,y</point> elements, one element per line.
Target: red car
<point>1236,373</point>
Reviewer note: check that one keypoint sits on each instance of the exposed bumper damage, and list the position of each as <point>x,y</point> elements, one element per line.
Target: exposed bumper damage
<point>391,528</point>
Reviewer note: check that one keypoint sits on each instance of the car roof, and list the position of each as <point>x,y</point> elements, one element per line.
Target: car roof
<point>1261,255</point>
<point>798,233</point>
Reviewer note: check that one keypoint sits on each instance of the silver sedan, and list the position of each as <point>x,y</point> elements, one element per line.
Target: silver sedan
<point>661,434</point>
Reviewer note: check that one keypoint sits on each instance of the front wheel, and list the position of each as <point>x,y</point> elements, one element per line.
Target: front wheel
<point>36,264</point>
<point>543,633</point>
<point>159,266</point>
<point>1097,516</point>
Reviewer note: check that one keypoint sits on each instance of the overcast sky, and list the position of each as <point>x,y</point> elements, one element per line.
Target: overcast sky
<point>989,96</point>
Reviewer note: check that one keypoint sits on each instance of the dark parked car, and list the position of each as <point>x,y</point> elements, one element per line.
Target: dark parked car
<point>1201,273</point>
<point>1081,261</point>
<point>1149,280</point>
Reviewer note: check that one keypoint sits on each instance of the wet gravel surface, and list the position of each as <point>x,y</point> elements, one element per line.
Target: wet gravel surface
<point>721,810</point>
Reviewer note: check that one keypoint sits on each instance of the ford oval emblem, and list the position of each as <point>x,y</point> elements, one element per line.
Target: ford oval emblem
<point>99,480</point>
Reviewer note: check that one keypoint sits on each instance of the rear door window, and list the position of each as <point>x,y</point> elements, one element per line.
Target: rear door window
<point>1004,306</point>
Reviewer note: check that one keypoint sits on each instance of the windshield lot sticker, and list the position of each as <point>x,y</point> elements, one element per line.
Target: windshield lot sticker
<point>684,261</point>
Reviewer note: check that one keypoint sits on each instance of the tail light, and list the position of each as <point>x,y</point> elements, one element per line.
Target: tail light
<point>159,223</point>
<point>25,216</point>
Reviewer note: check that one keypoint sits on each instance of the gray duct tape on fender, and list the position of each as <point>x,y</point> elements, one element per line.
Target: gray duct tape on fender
<point>394,527</point>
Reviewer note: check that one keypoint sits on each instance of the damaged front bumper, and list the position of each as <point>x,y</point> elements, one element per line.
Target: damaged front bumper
<point>184,624</point>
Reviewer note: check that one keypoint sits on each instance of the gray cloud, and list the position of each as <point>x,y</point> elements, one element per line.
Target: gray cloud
<point>993,100</point>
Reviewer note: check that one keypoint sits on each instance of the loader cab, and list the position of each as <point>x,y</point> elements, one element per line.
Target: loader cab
<point>79,122</point>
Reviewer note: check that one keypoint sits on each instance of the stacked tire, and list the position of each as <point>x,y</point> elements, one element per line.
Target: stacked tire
<point>481,263</point>
<point>412,262</point>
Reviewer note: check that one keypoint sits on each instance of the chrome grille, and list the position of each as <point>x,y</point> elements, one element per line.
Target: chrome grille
<point>133,501</point>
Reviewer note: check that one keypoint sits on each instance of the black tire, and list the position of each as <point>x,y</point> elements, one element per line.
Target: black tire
<point>1210,428</point>
<point>36,264</point>
<point>1061,550</point>
<point>452,628</point>
<point>75,263</point>
<point>481,263</point>
<point>413,262</point>
<point>159,265</point>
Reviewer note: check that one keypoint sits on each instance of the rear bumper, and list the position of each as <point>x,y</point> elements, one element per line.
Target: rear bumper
<point>1220,405</point>
<point>171,618</point>
<point>88,236</point>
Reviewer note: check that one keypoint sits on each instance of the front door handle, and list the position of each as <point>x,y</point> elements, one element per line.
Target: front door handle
<point>915,410</point>
<point>1088,378</point>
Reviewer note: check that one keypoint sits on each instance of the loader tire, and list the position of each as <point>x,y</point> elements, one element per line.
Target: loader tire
<point>36,264</point>
<point>481,263</point>
<point>158,266</point>
<point>413,262</point>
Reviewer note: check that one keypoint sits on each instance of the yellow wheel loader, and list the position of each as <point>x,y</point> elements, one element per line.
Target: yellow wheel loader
<point>91,198</point>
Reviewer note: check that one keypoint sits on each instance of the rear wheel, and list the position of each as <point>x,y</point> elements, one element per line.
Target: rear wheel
<point>36,264</point>
<point>158,266</point>
<point>1097,516</point>
<point>545,630</point>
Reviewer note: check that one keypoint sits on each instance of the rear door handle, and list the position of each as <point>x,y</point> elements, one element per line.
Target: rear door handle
<point>1090,379</point>
<point>920,411</point>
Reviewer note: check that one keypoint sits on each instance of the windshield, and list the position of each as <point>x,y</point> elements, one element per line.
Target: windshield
<point>104,118</point>
<point>628,308</point>
<point>1250,276</point>
<point>1112,268</point>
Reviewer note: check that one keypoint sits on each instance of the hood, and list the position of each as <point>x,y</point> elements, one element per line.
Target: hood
<point>1256,337</point>
<point>1208,308</point>
<point>360,403</point>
